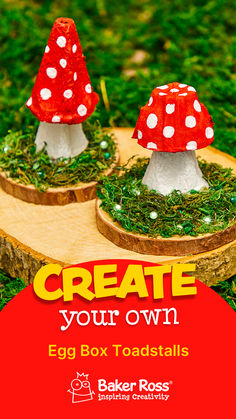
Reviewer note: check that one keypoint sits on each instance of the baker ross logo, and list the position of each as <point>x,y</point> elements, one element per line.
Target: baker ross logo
<point>115,390</point>
<point>133,390</point>
<point>80,389</point>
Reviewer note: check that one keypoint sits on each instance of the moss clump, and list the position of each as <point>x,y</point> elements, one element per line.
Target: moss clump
<point>20,161</point>
<point>9,287</point>
<point>130,203</point>
<point>227,290</point>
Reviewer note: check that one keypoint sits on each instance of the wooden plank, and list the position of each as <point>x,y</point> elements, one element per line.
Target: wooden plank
<point>32,235</point>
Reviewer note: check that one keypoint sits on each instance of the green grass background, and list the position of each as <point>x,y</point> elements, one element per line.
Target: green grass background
<point>131,46</point>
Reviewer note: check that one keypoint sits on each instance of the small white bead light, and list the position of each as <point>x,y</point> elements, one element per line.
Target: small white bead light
<point>153,215</point>
<point>207,220</point>
<point>103,145</point>
<point>180,226</point>
<point>117,207</point>
<point>136,192</point>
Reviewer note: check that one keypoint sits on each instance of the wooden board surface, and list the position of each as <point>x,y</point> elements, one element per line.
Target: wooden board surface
<point>32,235</point>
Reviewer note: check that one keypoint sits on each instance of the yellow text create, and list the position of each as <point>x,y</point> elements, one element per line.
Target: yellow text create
<point>105,283</point>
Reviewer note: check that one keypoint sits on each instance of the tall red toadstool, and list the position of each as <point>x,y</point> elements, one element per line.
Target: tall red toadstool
<point>174,124</point>
<point>62,97</point>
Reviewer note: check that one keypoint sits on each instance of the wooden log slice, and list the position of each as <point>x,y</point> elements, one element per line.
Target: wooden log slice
<point>53,196</point>
<point>173,246</point>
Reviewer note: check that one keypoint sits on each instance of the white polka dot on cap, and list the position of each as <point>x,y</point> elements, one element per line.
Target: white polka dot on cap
<point>190,121</point>
<point>183,94</point>
<point>174,90</point>
<point>182,85</point>
<point>151,146</point>
<point>88,88</point>
<point>150,101</point>
<point>45,94</point>
<point>170,108</point>
<point>168,132</point>
<point>67,93</point>
<point>164,86</point>
<point>63,63</point>
<point>51,72</point>
<point>140,134</point>
<point>191,145</point>
<point>56,118</point>
<point>82,110</point>
<point>162,94</point>
<point>47,49</point>
<point>191,89</point>
<point>209,132</point>
<point>29,101</point>
<point>61,41</point>
<point>152,120</point>
<point>75,76</point>
<point>197,106</point>
<point>74,48</point>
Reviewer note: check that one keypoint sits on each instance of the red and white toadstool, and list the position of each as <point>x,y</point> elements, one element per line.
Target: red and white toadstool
<point>174,124</point>
<point>62,97</point>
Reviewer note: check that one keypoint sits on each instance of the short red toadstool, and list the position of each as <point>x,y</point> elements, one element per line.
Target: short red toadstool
<point>174,124</point>
<point>62,97</point>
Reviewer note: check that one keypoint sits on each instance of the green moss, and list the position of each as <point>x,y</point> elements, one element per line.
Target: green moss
<point>180,214</point>
<point>227,290</point>
<point>19,159</point>
<point>9,287</point>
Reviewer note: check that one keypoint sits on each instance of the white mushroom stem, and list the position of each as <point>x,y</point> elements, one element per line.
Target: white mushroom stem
<point>169,171</point>
<point>61,140</point>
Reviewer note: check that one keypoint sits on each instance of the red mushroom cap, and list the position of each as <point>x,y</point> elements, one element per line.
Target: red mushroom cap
<point>62,92</point>
<point>174,120</point>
